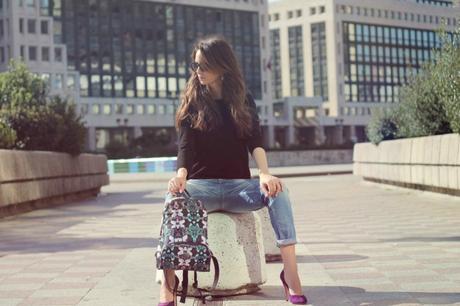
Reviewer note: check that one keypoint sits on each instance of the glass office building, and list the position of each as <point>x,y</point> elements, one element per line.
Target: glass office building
<point>141,48</point>
<point>379,59</point>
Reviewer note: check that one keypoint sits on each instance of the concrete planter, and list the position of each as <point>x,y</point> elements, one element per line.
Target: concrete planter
<point>32,179</point>
<point>428,163</point>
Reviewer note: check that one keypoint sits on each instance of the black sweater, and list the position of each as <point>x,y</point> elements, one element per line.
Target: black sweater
<point>218,153</point>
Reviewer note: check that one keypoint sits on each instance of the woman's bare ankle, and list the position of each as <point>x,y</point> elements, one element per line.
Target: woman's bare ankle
<point>165,294</point>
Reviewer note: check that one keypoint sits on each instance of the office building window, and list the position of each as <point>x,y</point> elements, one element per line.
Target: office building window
<point>107,109</point>
<point>117,38</point>
<point>58,81</point>
<point>71,82</point>
<point>140,109</point>
<point>58,54</point>
<point>379,59</point>
<point>319,60</point>
<point>31,27</point>
<point>84,85</point>
<point>296,61</point>
<point>45,7</point>
<point>275,64</point>
<point>44,27</point>
<point>21,25</point>
<point>32,53</point>
<point>96,109</point>
<point>45,54</point>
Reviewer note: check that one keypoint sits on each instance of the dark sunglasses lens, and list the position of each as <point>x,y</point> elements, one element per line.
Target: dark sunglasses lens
<point>194,66</point>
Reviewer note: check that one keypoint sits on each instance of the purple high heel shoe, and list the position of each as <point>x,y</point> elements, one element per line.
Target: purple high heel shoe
<point>166,304</point>
<point>294,299</point>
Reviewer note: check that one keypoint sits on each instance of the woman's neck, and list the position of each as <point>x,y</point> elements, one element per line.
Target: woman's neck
<point>216,89</point>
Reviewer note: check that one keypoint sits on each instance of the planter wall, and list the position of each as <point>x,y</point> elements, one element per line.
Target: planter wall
<point>47,177</point>
<point>428,163</point>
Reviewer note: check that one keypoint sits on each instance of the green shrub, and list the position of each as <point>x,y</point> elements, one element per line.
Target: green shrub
<point>7,135</point>
<point>383,126</point>
<point>37,121</point>
<point>430,102</point>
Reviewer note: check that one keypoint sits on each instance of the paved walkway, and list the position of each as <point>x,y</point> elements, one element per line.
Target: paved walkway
<point>360,244</point>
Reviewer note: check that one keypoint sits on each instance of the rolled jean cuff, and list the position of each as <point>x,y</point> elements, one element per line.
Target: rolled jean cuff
<point>284,242</point>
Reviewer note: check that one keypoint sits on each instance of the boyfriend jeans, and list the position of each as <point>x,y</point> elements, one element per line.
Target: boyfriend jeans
<point>243,195</point>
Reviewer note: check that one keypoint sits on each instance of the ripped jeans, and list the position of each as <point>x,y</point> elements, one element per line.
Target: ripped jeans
<point>243,195</point>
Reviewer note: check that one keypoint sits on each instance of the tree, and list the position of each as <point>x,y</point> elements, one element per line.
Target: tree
<point>430,102</point>
<point>31,120</point>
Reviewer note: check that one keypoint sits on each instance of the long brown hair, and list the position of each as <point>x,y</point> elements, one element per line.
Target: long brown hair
<point>198,105</point>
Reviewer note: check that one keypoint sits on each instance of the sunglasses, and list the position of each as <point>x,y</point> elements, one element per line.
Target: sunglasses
<point>194,66</point>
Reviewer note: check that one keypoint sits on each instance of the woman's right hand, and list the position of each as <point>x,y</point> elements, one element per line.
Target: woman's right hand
<point>177,184</point>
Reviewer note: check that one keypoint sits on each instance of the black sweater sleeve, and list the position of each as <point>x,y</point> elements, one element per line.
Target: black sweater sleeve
<point>186,146</point>
<point>255,140</point>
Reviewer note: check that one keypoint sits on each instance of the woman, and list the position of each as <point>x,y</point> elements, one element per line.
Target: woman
<point>218,125</point>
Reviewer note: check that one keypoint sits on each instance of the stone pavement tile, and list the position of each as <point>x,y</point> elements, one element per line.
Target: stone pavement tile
<point>372,297</point>
<point>28,275</point>
<point>15,293</point>
<point>416,278</point>
<point>51,301</point>
<point>445,265</point>
<point>346,265</point>
<point>437,298</point>
<point>85,274</point>
<point>10,302</point>
<point>41,293</point>
<point>397,268</point>
<point>68,285</point>
<point>15,279</point>
<point>354,270</point>
<point>412,275</point>
<point>453,277</point>
<point>328,295</point>
<point>356,276</point>
<point>20,286</point>
<point>433,286</point>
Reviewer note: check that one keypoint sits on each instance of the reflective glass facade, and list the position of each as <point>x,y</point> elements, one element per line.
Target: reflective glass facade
<point>379,59</point>
<point>276,63</point>
<point>319,60</point>
<point>296,61</point>
<point>141,49</point>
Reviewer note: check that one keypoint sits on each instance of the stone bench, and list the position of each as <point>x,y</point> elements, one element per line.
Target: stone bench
<point>237,241</point>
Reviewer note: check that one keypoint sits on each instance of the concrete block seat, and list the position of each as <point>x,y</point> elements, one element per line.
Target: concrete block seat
<point>237,242</point>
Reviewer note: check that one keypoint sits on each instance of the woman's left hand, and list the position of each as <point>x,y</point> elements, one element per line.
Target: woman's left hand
<point>270,185</point>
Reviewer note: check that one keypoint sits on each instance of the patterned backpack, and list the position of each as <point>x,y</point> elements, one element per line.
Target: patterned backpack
<point>183,242</point>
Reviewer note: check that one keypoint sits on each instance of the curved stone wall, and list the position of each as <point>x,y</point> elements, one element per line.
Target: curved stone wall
<point>429,163</point>
<point>41,177</point>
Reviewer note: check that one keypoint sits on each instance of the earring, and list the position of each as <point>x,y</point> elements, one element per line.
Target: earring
<point>222,77</point>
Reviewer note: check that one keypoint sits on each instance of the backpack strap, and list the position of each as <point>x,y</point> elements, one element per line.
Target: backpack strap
<point>216,273</point>
<point>195,281</point>
<point>184,286</point>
